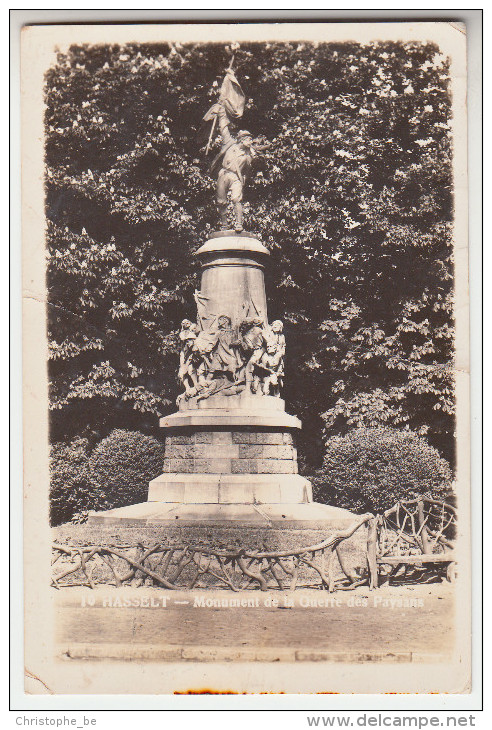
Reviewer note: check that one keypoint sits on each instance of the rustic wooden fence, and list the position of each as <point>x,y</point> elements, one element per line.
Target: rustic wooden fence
<point>187,566</point>
<point>412,541</point>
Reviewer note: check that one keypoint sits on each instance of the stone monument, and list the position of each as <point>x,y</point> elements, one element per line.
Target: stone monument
<point>230,447</point>
<point>230,456</point>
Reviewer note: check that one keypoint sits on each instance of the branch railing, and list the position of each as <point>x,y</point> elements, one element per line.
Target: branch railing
<point>187,566</point>
<point>414,536</point>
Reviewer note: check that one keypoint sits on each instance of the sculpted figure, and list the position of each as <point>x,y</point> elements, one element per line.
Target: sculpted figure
<point>251,349</point>
<point>269,371</point>
<point>277,335</point>
<point>216,361</point>
<point>187,372</point>
<point>215,347</point>
<point>231,167</point>
<point>211,362</point>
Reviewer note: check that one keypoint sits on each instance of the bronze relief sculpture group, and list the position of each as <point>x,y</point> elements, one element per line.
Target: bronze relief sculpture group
<point>220,361</point>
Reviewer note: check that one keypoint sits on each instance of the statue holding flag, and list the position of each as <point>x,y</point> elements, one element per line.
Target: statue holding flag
<point>232,165</point>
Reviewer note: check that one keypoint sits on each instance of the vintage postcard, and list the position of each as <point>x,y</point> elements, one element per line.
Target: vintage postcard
<point>246,368</point>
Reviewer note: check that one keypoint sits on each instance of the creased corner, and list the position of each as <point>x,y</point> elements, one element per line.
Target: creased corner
<point>34,685</point>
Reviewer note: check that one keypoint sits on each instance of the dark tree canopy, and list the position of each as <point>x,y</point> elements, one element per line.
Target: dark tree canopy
<point>354,201</point>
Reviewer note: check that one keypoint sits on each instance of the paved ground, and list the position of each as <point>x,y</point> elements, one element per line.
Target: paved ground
<point>390,624</point>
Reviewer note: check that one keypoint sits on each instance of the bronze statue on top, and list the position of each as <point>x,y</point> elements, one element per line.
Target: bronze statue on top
<point>232,165</point>
<point>235,164</point>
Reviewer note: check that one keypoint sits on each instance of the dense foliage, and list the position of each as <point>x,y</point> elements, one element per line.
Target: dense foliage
<point>122,465</point>
<point>70,489</point>
<point>370,469</point>
<point>114,473</point>
<point>353,200</point>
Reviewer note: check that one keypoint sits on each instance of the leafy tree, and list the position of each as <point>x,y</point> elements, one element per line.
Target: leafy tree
<point>354,201</point>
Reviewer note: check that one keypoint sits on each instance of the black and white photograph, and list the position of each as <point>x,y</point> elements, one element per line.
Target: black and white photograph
<point>246,358</point>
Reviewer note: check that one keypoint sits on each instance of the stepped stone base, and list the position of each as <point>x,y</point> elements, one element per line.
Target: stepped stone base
<point>230,488</point>
<point>310,516</point>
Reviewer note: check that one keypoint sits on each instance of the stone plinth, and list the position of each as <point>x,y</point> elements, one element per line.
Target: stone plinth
<point>231,449</point>
<point>232,280</point>
<point>263,518</point>
<point>231,411</point>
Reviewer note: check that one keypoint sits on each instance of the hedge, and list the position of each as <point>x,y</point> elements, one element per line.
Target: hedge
<point>70,490</point>
<point>122,465</point>
<point>370,469</point>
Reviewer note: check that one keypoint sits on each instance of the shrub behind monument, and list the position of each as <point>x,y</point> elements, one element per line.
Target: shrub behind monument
<point>372,468</point>
<point>121,466</point>
<point>70,490</point>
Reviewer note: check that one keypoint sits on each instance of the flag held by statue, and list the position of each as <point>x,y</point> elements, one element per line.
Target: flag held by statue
<point>232,98</point>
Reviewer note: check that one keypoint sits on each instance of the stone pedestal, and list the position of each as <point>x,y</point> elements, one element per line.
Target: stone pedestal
<point>232,281</point>
<point>230,456</point>
<point>235,449</point>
